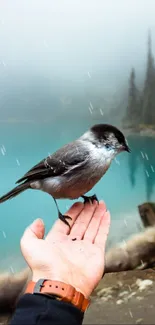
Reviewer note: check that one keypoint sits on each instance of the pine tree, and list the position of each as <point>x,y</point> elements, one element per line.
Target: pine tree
<point>148,110</point>
<point>131,112</point>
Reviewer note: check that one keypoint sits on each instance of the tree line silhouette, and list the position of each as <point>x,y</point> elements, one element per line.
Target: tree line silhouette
<point>140,110</point>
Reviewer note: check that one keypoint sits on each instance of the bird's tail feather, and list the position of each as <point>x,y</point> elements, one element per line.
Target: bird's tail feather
<point>15,191</point>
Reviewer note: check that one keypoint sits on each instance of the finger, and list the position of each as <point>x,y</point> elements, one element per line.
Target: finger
<point>80,226</point>
<point>35,231</point>
<point>60,227</point>
<point>94,224</point>
<point>103,230</point>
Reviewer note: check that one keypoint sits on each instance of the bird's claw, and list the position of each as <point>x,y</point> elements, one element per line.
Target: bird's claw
<point>90,199</point>
<point>63,219</point>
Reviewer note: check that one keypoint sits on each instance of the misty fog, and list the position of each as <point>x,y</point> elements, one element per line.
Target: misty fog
<point>64,54</point>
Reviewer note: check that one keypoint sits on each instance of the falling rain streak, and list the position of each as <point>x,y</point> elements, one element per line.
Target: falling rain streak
<point>101,111</point>
<point>91,106</point>
<point>4,234</point>
<point>90,110</point>
<point>142,154</point>
<point>17,161</point>
<point>3,150</point>
<point>11,269</point>
<point>117,161</point>
<point>147,173</point>
<point>89,75</point>
<point>130,313</point>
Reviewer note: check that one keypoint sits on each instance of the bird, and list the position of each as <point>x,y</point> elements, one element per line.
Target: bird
<point>75,168</point>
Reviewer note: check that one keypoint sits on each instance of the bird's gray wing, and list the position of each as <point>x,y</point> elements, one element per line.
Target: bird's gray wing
<point>71,156</point>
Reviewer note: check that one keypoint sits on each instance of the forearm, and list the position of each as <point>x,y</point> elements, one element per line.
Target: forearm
<point>42,310</point>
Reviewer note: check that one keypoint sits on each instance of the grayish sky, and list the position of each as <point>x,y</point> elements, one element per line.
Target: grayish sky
<point>68,38</point>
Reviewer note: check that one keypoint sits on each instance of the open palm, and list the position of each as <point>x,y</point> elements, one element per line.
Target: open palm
<point>73,256</point>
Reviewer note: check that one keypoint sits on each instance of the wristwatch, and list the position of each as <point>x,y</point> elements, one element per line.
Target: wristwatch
<point>60,290</point>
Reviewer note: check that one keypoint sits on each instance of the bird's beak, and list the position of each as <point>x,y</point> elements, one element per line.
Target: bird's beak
<point>126,148</point>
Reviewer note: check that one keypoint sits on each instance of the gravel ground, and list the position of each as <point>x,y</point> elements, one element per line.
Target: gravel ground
<point>124,298</point>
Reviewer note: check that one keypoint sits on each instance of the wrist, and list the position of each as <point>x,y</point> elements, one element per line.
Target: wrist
<point>37,275</point>
<point>60,290</point>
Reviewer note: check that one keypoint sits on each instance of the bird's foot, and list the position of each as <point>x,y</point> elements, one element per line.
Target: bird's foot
<point>63,218</point>
<point>90,199</point>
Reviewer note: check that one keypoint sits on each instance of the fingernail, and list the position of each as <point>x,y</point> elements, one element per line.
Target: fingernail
<point>40,221</point>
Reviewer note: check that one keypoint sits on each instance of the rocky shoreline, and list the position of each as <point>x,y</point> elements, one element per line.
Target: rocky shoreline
<point>124,298</point>
<point>144,132</point>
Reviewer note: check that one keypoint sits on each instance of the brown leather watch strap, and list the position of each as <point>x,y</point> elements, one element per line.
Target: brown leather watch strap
<point>63,291</point>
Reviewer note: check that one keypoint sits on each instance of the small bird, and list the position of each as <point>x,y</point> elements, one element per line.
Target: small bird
<point>74,169</point>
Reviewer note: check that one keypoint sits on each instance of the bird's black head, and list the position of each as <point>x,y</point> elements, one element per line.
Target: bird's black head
<point>110,137</point>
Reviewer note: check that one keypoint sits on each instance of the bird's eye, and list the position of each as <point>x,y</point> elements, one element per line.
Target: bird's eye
<point>107,146</point>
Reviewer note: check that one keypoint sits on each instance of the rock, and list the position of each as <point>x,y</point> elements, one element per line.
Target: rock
<point>139,298</point>
<point>104,291</point>
<point>131,295</point>
<point>106,298</point>
<point>138,252</point>
<point>147,213</point>
<point>143,284</point>
<point>119,302</point>
<point>123,293</point>
<point>139,321</point>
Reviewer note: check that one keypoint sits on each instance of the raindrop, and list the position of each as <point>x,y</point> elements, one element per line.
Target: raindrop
<point>142,263</point>
<point>101,111</point>
<point>11,269</point>
<point>130,313</point>
<point>124,243</point>
<point>91,106</point>
<point>2,151</point>
<point>18,163</point>
<point>3,148</point>
<point>146,156</point>
<point>4,234</point>
<point>152,168</point>
<point>90,110</point>
<point>147,173</point>
<point>117,161</point>
<point>142,154</point>
<point>49,154</point>
<point>4,64</point>
<point>125,222</point>
<point>89,75</point>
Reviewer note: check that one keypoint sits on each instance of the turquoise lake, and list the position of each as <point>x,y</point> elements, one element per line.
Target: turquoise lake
<point>128,183</point>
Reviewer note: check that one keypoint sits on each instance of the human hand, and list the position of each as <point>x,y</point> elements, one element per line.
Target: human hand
<point>79,262</point>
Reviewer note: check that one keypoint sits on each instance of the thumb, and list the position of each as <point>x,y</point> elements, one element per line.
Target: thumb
<point>35,231</point>
<point>37,228</point>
